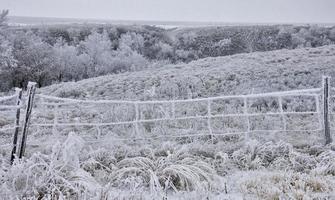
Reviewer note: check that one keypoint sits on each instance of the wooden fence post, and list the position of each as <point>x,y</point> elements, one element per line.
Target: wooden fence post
<point>209,121</point>
<point>31,93</point>
<point>18,92</point>
<point>326,125</point>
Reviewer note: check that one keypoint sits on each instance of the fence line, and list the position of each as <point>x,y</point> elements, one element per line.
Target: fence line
<point>315,93</point>
<point>206,114</point>
<point>172,103</point>
<point>9,107</point>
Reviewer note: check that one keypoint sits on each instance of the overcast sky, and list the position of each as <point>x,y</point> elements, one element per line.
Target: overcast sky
<point>254,11</point>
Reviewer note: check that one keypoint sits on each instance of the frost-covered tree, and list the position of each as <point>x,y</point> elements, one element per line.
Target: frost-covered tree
<point>300,39</point>
<point>8,63</point>
<point>24,57</point>
<point>34,60</point>
<point>3,17</point>
<point>166,51</point>
<point>284,37</point>
<point>332,34</point>
<point>97,48</point>
<point>127,61</point>
<point>131,42</point>
<point>7,59</point>
<point>67,65</point>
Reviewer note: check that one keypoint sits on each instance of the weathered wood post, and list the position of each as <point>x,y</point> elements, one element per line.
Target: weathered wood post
<point>326,125</point>
<point>18,92</point>
<point>31,93</point>
<point>209,121</point>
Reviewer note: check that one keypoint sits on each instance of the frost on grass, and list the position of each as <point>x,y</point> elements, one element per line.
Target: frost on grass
<point>175,170</point>
<point>286,185</point>
<point>55,175</point>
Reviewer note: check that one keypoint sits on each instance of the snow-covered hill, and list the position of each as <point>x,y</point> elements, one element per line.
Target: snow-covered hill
<point>238,74</point>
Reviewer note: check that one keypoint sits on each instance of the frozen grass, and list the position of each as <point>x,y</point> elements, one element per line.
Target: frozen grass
<point>174,170</point>
<point>286,185</point>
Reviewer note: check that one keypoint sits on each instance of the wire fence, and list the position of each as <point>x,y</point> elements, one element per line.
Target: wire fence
<point>305,111</point>
<point>8,106</point>
<point>210,111</point>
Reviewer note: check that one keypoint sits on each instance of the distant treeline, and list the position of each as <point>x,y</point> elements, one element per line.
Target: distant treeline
<point>49,54</point>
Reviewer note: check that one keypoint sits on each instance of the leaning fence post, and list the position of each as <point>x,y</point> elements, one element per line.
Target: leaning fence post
<point>18,92</point>
<point>325,87</point>
<point>30,101</point>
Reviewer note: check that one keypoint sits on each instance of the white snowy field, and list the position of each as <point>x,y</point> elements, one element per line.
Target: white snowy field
<point>72,164</point>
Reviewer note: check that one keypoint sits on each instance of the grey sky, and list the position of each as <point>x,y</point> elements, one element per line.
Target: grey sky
<point>287,11</point>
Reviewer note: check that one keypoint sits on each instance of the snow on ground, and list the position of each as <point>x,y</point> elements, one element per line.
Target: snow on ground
<point>67,166</point>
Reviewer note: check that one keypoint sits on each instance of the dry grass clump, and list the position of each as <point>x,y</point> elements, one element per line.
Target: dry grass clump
<point>286,185</point>
<point>325,163</point>
<point>300,162</point>
<point>99,163</point>
<point>164,173</point>
<point>254,155</point>
<point>54,176</point>
<point>189,174</point>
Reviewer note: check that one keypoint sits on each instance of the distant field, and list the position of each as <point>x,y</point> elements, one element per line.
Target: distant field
<point>20,20</point>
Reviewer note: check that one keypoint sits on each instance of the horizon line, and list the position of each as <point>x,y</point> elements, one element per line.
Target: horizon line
<point>174,21</point>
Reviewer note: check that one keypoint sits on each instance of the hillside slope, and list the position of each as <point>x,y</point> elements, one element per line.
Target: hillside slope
<point>237,74</point>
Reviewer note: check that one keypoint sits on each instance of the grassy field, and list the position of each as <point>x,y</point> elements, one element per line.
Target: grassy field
<point>238,74</point>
